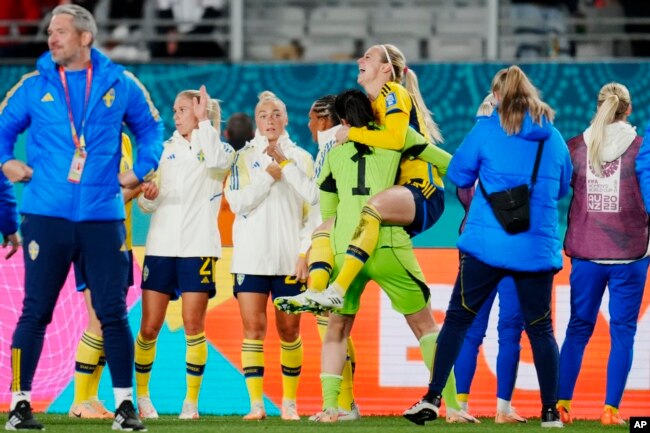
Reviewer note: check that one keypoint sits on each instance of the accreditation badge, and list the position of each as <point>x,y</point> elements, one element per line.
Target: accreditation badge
<point>77,166</point>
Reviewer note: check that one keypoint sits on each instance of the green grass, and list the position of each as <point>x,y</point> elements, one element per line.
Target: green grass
<point>370,424</point>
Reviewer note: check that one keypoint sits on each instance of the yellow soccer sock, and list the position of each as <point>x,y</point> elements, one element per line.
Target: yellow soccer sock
<point>93,388</point>
<point>196,356</point>
<point>363,243</point>
<point>252,362</point>
<point>291,355</point>
<point>346,394</point>
<point>145,354</point>
<point>89,350</point>
<point>331,385</point>
<point>352,354</point>
<point>321,324</point>
<point>321,260</point>
<point>612,409</point>
<point>565,404</point>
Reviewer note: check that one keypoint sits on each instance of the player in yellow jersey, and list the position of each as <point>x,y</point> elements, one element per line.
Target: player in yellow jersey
<point>89,360</point>
<point>417,200</point>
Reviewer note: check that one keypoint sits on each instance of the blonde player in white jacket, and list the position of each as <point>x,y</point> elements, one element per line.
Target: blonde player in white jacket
<point>271,235</point>
<point>183,242</point>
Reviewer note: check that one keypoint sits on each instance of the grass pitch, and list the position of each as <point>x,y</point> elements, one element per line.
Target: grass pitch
<point>368,424</point>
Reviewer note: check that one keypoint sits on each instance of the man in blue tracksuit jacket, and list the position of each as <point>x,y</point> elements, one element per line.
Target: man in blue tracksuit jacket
<point>8,216</point>
<point>74,106</point>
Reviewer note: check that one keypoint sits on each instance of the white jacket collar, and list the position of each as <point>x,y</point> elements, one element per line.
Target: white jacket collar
<point>618,138</point>
<point>261,142</point>
<point>324,137</point>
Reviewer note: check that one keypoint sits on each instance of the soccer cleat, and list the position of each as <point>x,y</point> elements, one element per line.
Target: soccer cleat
<point>84,410</point>
<point>551,418</point>
<point>610,418</point>
<point>293,304</point>
<point>190,411</point>
<point>350,415</point>
<point>565,415</point>
<point>146,409</point>
<point>22,418</point>
<point>423,411</point>
<point>329,415</point>
<point>100,408</point>
<point>326,300</point>
<point>455,416</point>
<point>257,413</point>
<point>126,418</point>
<point>510,418</point>
<point>289,411</point>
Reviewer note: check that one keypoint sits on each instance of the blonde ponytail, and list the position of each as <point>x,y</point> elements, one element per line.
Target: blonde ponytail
<point>517,96</point>
<point>401,74</point>
<point>613,103</point>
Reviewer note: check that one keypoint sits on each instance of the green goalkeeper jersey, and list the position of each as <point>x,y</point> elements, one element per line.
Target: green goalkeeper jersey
<point>352,173</point>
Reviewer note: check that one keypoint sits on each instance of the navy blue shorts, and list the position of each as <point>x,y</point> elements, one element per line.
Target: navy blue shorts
<point>80,281</point>
<point>427,210</point>
<point>51,245</point>
<point>275,285</point>
<point>175,275</point>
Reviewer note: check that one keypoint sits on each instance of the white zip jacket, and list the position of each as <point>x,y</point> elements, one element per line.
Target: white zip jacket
<point>190,178</point>
<point>272,225</point>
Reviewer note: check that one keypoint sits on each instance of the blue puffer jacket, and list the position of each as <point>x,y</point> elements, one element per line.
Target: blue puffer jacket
<point>38,102</point>
<point>8,214</point>
<point>504,161</point>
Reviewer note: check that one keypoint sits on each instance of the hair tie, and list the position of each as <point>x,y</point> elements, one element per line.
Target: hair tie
<point>406,69</point>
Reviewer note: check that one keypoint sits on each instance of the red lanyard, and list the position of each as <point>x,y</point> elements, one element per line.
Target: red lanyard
<point>79,142</point>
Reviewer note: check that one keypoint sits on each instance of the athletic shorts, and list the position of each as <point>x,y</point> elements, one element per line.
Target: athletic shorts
<point>427,210</point>
<point>397,272</point>
<point>81,282</point>
<point>176,275</point>
<point>275,285</point>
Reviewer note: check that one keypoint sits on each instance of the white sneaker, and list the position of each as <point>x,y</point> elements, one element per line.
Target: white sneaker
<point>190,411</point>
<point>350,415</point>
<point>289,411</point>
<point>146,409</point>
<point>327,300</point>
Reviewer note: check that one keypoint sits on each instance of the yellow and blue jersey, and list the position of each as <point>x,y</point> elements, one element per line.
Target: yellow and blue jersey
<point>394,109</point>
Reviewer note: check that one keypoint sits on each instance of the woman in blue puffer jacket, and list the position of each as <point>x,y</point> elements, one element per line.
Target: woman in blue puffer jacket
<point>500,152</point>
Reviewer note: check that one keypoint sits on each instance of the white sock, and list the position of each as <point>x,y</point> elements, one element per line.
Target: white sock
<point>503,406</point>
<point>122,394</point>
<point>19,396</point>
<point>464,405</point>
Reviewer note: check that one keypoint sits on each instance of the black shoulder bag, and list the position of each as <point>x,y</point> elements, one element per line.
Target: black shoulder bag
<point>512,206</point>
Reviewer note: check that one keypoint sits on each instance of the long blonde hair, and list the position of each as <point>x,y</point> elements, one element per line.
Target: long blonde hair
<point>213,107</point>
<point>517,96</point>
<point>401,74</point>
<point>613,104</point>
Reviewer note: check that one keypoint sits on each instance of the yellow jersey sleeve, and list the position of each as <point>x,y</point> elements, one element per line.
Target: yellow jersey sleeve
<point>392,109</point>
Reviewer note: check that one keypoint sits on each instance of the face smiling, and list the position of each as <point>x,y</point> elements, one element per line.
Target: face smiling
<point>67,45</point>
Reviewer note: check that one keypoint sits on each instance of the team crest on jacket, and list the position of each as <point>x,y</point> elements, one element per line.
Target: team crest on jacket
<point>109,97</point>
<point>240,279</point>
<point>33,249</point>
<point>145,273</point>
